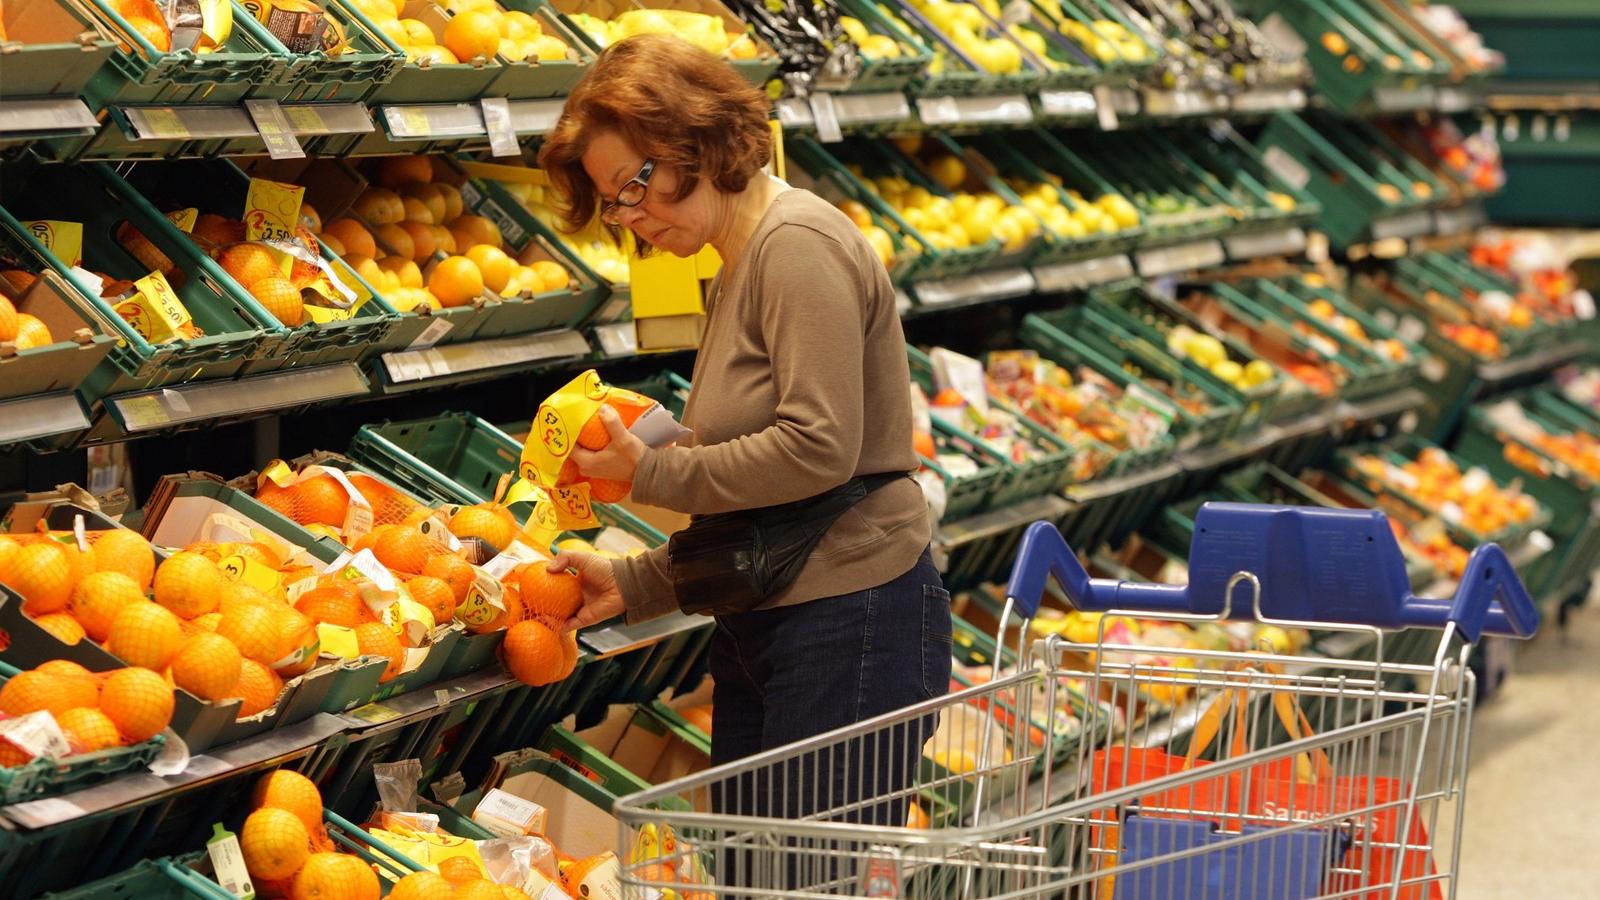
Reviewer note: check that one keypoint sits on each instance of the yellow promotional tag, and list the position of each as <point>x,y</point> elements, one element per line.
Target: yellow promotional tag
<point>251,572</point>
<point>338,641</point>
<point>554,432</point>
<point>155,310</point>
<point>272,210</point>
<point>277,472</point>
<point>184,219</point>
<point>63,239</point>
<point>216,18</point>
<point>482,604</point>
<point>321,314</point>
<point>543,526</point>
<point>408,619</point>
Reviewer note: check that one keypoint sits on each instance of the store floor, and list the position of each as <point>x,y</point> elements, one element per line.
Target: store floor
<point>1533,807</point>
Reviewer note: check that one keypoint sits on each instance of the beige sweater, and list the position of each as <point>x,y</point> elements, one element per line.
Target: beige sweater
<point>800,384</point>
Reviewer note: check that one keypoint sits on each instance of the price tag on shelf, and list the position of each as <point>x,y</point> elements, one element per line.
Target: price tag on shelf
<point>938,110</point>
<point>274,128</point>
<point>431,335</point>
<point>497,119</point>
<point>157,122</point>
<point>1082,273</point>
<point>304,119</point>
<point>1105,107</point>
<point>535,116</point>
<point>1285,166</point>
<point>1067,103</point>
<point>867,109</point>
<point>794,112</point>
<point>618,339</point>
<point>827,119</point>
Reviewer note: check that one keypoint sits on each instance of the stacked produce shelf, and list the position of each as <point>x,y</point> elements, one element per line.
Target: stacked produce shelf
<point>1218,255</point>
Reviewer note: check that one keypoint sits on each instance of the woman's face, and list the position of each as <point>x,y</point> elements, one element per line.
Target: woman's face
<point>681,228</point>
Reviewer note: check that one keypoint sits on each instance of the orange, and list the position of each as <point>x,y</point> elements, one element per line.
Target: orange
<point>8,550</point>
<point>607,491</point>
<point>494,264</point>
<point>281,299</point>
<point>593,435</point>
<point>370,539</point>
<point>320,500</point>
<point>456,281</point>
<point>63,626</point>
<point>380,206</point>
<point>146,635</point>
<point>472,34</point>
<point>236,595</point>
<point>436,595</point>
<point>100,597</point>
<point>398,240</point>
<point>8,320</point>
<point>405,269</point>
<point>248,263</point>
<point>156,32</point>
<point>445,240</point>
<point>258,687</point>
<point>11,756</point>
<point>288,789</point>
<point>253,629</point>
<point>494,525</point>
<point>375,639</point>
<point>207,622</point>
<point>417,211</point>
<point>32,691</point>
<point>396,171</point>
<point>479,890</point>
<point>405,549</point>
<point>139,701</point>
<point>207,666</point>
<point>430,196</point>
<point>310,219</point>
<point>216,231</point>
<point>121,550</point>
<point>459,870</point>
<point>334,604</point>
<point>298,642</point>
<point>275,843</point>
<point>453,204</point>
<point>188,584</point>
<point>32,333</point>
<point>424,240</point>
<point>64,667</point>
<point>42,574</point>
<point>353,236</point>
<point>554,595</point>
<point>423,886</point>
<point>80,561</point>
<point>470,230</point>
<point>333,876</point>
<point>553,275</point>
<point>569,655</point>
<point>88,729</point>
<point>573,876</point>
<point>453,571</point>
<point>533,653</point>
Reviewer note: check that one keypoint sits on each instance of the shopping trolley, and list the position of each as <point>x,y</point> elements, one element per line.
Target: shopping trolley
<point>1285,776</point>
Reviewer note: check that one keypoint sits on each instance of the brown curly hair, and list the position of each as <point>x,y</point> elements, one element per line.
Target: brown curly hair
<point>671,101</point>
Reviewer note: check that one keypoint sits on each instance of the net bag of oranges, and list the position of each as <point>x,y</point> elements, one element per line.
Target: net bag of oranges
<point>569,419</point>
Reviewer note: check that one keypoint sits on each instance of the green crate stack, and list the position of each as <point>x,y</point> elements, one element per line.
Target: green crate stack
<point>1144,322</point>
<point>1349,61</point>
<point>1088,25</point>
<point>234,333</point>
<point>1175,197</point>
<point>1395,363</point>
<point>173,186</point>
<point>1089,175</point>
<point>1011,163</point>
<point>412,82</point>
<point>1571,496</point>
<point>981,177</point>
<point>757,70</point>
<point>1225,155</point>
<point>885,73</point>
<point>58,50</point>
<point>82,338</point>
<point>1049,469</point>
<point>538,79</point>
<point>1070,338</point>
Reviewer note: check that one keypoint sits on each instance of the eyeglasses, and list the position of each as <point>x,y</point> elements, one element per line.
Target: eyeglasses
<point>631,194</point>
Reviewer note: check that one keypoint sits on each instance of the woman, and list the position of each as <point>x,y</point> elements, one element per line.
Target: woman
<point>800,385</point>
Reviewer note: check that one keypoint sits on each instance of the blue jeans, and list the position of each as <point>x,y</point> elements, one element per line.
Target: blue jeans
<point>791,673</point>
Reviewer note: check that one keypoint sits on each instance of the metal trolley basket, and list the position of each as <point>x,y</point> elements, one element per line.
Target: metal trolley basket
<point>1284,777</point>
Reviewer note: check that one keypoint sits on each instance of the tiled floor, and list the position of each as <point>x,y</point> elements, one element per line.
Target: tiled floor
<point>1533,807</point>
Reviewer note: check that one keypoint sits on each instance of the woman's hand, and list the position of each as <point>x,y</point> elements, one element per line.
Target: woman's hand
<point>601,598</point>
<point>619,458</point>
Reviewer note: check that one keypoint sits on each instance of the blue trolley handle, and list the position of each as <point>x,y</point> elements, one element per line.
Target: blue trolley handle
<point>1490,599</point>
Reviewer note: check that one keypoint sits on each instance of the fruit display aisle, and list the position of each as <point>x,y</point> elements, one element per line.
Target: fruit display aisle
<point>309,282</point>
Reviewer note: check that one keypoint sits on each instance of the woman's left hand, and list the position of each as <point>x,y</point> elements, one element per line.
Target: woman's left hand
<point>619,458</point>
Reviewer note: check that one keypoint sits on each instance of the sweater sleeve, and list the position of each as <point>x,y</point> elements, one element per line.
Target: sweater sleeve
<point>811,296</point>
<point>645,582</point>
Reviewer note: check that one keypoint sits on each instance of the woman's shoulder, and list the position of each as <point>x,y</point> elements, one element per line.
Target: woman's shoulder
<point>805,223</point>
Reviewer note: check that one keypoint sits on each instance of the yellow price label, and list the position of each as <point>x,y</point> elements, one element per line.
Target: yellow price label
<point>415,123</point>
<point>184,219</point>
<point>321,314</point>
<point>305,119</point>
<point>272,210</point>
<point>63,239</point>
<point>154,310</point>
<point>338,641</point>
<point>251,572</point>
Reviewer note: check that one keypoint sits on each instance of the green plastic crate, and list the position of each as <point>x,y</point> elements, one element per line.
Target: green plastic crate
<point>82,339</point>
<point>460,82</point>
<point>1067,337</point>
<point>233,330</point>
<point>1076,16</point>
<point>1049,472</point>
<point>315,77</point>
<point>960,73</point>
<point>524,80</point>
<point>1274,338</point>
<point>1152,173</point>
<point>57,51</point>
<point>758,71</point>
<point>1294,295</point>
<point>890,73</point>
<point>1145,320</point>
<point>199,184</point>
<point>1224,154</point>
<point>244,66</point>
